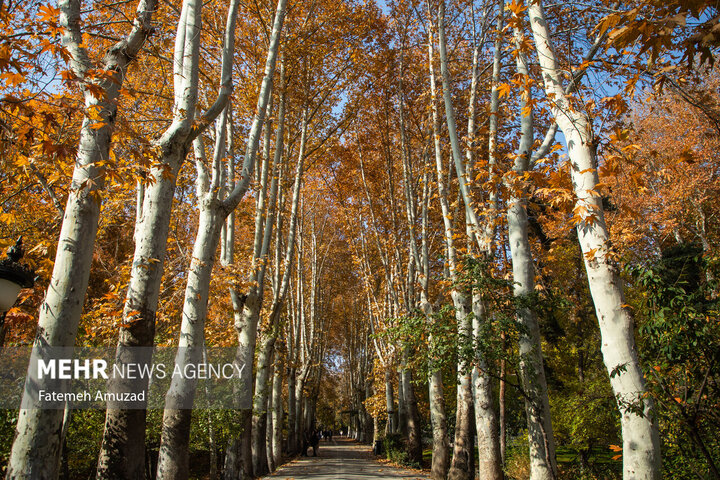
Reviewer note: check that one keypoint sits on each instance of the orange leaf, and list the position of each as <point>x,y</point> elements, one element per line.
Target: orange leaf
<point>503,89</point>
<point>13,79</point>
<point>48,13</point>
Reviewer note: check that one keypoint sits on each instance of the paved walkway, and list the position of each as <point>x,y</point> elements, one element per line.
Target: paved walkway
<point>341,459</point>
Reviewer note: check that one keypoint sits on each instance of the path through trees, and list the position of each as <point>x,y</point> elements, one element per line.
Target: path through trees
<point>483,234</point>
<point>342,458</point>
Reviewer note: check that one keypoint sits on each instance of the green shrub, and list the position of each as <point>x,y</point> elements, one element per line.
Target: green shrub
<point>394,448</point>
<point>517,462</point>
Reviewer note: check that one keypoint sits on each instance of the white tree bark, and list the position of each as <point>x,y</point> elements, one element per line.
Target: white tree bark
<point>173,455</point>
<point>438,418</point>
<point>414,440</point>
<point>543,465</point>
<point>122,451</point>
<point>37,446</point>
<point>463,449</point>
<point>277,416</point>
<point>486,414</point>
<point>172,461</point>
<point>260,399</point>
<point>263,385</point>
<point>251,313</point>
<point>463,180</point>
<point>263,234</point>
<point>641,445</point>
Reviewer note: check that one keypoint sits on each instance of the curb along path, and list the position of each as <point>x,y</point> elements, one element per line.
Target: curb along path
<point>341,459</point>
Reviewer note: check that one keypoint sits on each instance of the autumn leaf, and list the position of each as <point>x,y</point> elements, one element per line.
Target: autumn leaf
<point>516,7</point>
<point>503,89</point>
<point>48,13</point>
<point>12,79</point>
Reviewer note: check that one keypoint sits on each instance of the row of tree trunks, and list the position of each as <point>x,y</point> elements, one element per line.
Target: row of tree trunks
<point>37,446</point>
<point>125,429</point>
<point>474,398</point>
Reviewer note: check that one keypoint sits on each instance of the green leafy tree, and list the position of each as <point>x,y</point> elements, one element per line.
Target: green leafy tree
<point>680,332</point>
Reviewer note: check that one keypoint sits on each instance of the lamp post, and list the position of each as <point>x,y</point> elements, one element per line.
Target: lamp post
<point>14,276</point>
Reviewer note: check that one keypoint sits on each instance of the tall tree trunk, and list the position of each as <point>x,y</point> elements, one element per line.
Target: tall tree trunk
<point>270,424</point>
<point>543,465</point>
<point>277,417</point>
<point>463,448</point>
<point>299,411</point>
<point>402,404</point>
<point>122,451</point>
<point>282,285</point>
<point>414,438</point>
<point>486,414</point>
<point>263,234</point>
<point>260,401</point>
<point>173,460</point>
<point>292,413</point>
<point>124,432</point>
<point>641,443</point>
<point>247,335</point>
<point>463,181</point>
<point>441,444</point>
<point>501,408</point>
<point>37,447</point>
<point>390,403</point>
<point>441,447</point>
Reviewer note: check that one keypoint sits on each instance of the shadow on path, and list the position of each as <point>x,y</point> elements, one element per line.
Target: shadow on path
<point>341,459</point>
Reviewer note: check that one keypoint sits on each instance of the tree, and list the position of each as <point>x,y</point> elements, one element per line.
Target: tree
<point>173,459</point>
<point>36,449</point>
<point>641,444</point>
<point>467,309</point>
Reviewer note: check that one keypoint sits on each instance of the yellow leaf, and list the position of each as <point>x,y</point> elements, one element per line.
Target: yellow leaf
<point>503,89</point>
<point>22,161</point>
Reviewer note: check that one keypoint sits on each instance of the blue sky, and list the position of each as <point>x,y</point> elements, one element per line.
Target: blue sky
<point>383,6</point>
